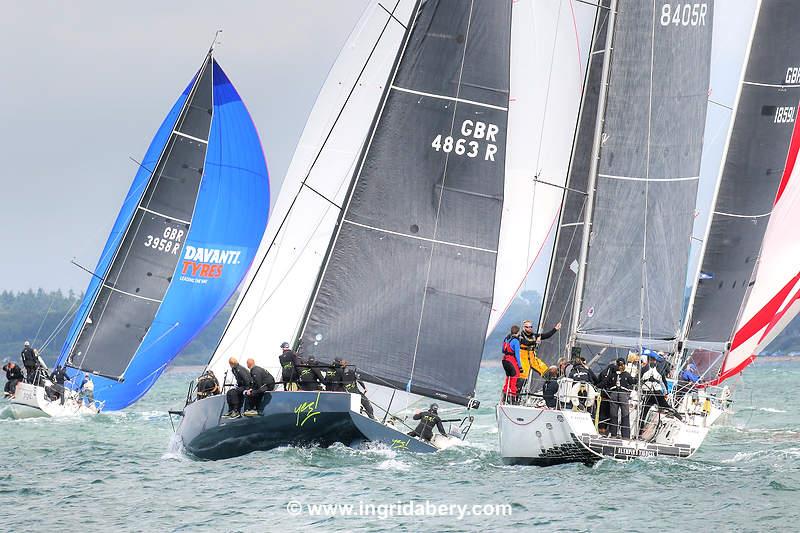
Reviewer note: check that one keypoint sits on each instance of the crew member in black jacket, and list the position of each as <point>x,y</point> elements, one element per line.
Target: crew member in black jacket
<point>13,376</point>
<point>428,420</point>
<point>618,386</point>
<point>263,382</point>
<point>289,361</point>
<point>235,395</point>
<point>29,361</point>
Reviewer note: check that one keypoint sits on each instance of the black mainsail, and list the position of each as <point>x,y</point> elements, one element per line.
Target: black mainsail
<point>405,293</point>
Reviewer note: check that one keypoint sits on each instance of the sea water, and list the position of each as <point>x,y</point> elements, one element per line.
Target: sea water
<point>117,472</point>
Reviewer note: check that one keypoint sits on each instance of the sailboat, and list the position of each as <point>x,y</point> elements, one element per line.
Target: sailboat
<point>388,233</point>
<point>746,288</point>
<point>188,230</point>
<point>620,257</point>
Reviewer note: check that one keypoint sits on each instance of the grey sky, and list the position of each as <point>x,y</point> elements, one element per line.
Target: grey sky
<point>88,83</point>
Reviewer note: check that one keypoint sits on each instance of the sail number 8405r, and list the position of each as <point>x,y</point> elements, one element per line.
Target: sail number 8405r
<point>684,14</point>
<point>468,145</point>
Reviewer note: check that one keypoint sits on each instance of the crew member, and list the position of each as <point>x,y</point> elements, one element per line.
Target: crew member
<point>30,362</point>
<point>87,388</point>
<point>310,376</point>
<point>654,385</point>
<point>13,376</point>
<point>330,374</point>
<point>581,372</point>
<point>550,387</point>
<point>207,385</point>
<point>528,342</point>
<point>511,364</point>
<point>263,382</point>
<point>428,419</point>
<point>289,362</point>
<point>606,376</point>
<point>235,395</point>
<point>59,378</point>
<point>618,386</point>
<point>351,383</point>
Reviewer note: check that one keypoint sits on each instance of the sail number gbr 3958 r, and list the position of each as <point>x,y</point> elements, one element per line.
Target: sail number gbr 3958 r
<point>684,14</point>
<point>478,139</point>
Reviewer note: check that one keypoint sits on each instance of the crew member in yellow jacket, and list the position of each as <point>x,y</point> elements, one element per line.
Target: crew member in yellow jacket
<point>528,340</point>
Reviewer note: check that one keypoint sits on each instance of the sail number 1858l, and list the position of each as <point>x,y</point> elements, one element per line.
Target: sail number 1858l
<point>473,132</point>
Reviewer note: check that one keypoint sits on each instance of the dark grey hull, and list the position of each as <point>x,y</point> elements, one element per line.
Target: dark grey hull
<point>302,418</point>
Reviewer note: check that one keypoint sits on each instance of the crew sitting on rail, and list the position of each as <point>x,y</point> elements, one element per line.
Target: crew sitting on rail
<point>235,395</point>
<point>263,382</point>
<point>207,385</point>
<point>13,376</point>
<point>428,419</point>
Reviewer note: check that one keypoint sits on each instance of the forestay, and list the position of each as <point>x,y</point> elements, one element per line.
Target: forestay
<point>648,173</point>
<point>406,291</point>
<point>755,164</point>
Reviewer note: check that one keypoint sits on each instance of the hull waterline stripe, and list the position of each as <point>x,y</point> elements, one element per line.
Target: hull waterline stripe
<point>451,98</point>
<point>176,132</point>
<point>163,215</point>
<point>435,241</point>
<point>656,180</point>
<point>131,294</point>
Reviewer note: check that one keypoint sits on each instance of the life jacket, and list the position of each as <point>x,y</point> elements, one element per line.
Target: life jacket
<point>651,381</point>
<point>507,349</point>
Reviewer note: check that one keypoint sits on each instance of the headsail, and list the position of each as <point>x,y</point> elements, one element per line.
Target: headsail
<point>278,288</point>
<point>755,164</point>
<point>181,244</point>
<point>406,291</point>
<point>550,45</point>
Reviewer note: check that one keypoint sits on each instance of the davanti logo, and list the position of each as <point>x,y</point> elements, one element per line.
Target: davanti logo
<point>206,262</point>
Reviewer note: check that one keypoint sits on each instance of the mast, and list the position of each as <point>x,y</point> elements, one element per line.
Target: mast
<point>593,169</point>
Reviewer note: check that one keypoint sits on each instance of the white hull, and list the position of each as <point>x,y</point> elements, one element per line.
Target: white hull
<point>30,401</point>
<point>539,435</point>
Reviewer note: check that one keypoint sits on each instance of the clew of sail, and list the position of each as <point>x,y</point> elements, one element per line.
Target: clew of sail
<point>181,245</point>
<point>760,155</point>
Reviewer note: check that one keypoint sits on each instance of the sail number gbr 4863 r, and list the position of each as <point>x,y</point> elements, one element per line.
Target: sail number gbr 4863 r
<point>477,139</point>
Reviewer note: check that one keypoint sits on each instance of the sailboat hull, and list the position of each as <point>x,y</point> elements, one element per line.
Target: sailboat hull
<point>31,401</point>
<point>543,437</point>
<point>302,418</point>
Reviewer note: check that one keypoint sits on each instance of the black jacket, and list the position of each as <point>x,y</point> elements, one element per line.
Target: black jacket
<point>262,380</point>
<point>428,419</point>
<point>60,375</point>
<point>242,377</point>
<point>549,391</point>
<point>607,375</point>
<point>582,373</point>
<point>618,381</point>
<point>331,379</point>
<point>13,373</point>
<point>29,357</point>
<point>349,379</point>
<point>289,362</point>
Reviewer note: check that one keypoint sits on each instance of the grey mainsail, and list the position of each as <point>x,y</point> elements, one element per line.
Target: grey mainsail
<point>753,168</point>
<point>143,265</point>
<point>648,173</point>
<point>406,291</point>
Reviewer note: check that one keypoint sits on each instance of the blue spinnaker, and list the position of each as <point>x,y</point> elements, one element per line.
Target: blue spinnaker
<point>230,207</point>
